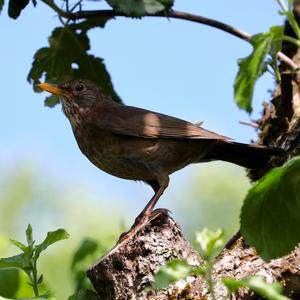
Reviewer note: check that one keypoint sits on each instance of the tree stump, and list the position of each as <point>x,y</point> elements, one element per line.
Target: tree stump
<point>127,270</point>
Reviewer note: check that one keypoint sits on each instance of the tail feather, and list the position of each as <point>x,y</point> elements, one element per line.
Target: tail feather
<point>250,156</point>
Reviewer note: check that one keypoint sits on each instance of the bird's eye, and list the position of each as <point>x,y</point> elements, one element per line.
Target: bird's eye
<point>79,87</point>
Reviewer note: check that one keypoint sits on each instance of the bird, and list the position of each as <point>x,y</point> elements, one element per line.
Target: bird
<point>143,145</point>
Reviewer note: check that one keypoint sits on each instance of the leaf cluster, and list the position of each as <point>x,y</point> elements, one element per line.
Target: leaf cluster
<point>27,259</point>
<point>67,57</point>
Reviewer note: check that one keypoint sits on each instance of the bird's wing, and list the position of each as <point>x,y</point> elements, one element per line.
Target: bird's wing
<point>133,121</point>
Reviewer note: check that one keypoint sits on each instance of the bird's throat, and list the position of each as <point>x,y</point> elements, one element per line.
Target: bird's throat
<point>73,112</point>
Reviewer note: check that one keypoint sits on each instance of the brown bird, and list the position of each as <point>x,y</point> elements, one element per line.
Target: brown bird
<point>139,144</point>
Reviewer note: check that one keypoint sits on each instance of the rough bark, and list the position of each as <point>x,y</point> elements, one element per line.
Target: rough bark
<point>128,269</point>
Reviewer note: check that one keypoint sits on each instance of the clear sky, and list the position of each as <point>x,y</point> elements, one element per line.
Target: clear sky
<point>172,66</point>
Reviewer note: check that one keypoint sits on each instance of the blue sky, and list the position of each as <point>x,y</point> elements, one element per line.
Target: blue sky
<point>172,66</point>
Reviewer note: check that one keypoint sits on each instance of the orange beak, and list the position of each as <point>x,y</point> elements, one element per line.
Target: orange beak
<point>52,89</point>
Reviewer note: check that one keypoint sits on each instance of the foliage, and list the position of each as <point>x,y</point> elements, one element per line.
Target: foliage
<point>275,199</point>
<point>27,260</point>
<point>254,65</point>
<point>272,291</point>
<point>209,242</point>
<point>67,57</point>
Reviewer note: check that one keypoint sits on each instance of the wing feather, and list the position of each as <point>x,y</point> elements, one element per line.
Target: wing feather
<point>133,121</point>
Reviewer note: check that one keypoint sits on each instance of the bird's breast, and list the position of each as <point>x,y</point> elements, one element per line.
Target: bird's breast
<point>122,156</point>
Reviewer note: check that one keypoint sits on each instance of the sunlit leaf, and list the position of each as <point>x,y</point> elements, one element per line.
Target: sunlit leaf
<point>51,238</point>
<point>250,69</point>
<point>174,270</point>
<point>29,237</point>
<point>17,261</point>
<point>270,213</point>
<point>271,291</point>
<point>140,8</point>
<point>19,245</point>
<point>210,242</point>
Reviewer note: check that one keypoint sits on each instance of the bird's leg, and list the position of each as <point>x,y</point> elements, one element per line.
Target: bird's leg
<point>159,187</point>
<point>143,217</point>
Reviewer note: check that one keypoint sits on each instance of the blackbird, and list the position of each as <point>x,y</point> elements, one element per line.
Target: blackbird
<point>138,144</point>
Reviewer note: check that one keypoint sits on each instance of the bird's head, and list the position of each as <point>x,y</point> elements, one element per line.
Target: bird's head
<point>75,93</point>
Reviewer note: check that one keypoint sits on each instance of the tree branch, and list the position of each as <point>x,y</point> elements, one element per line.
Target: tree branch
<point>88,14</point>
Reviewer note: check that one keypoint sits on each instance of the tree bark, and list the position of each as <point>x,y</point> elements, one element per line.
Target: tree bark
<point>128,269</point>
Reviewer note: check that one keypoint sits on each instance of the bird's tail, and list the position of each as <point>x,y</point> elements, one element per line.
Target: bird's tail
<point>245,155</point>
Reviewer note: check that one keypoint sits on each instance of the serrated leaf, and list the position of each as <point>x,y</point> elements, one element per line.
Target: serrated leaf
<point>9,282</point>
<point>51,238</point>
<point>140,8</point>
<point>84,294</point>
<point>15,7</point>
<point>67,58</point>
<point>271,291</point>
<point>270,213</point>
<point>250,69</point>
<point>173,271</point>
<point>87,247</point>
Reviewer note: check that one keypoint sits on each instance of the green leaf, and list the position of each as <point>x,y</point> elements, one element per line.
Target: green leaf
<point>51,238</point>
<point>271,291</point>
<point>140,8</point>
<point>51,101</point>
<point>15,7</point>
<point>270,213</point>
<point>250,69</point>
<point>18,261</point>
<point>41,278</point>
<point>174,270</point>
<point>9,282</point>
<point>19,245</point>
<point>87,247</point>
<point>1,4</point>
<point>29,237</point>
<point>210,242</point>
<point>67,58</point>
<point>84,294</point>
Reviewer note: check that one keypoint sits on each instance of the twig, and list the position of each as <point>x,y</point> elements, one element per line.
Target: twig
<point>252,124</point>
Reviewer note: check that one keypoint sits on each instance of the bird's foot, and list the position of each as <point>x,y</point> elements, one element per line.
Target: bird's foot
<point>141,220</point>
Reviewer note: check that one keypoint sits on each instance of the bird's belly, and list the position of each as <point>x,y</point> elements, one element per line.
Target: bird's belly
<point>128,158</point>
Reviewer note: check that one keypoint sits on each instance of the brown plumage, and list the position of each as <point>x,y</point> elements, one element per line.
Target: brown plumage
<point>138,144</point>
